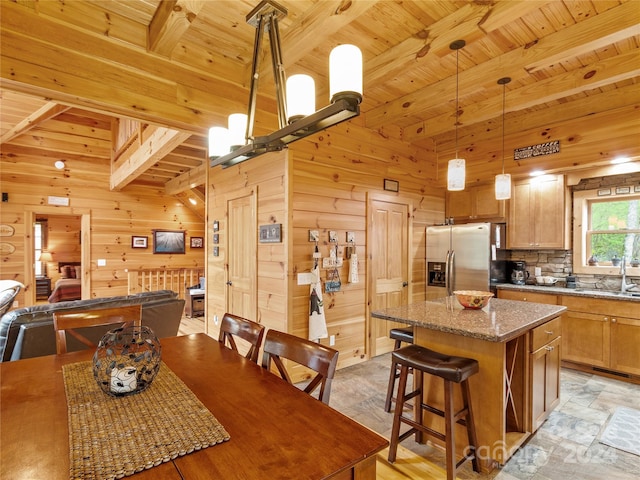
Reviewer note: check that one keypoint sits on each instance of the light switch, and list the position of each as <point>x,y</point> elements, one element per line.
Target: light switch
<point>102,262</point>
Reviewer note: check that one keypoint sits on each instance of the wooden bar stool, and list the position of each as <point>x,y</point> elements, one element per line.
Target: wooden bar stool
<point>400,335</point>
<point>452,370</point>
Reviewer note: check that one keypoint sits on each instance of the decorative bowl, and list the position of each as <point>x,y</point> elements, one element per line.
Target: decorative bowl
<point>127,360</point>
<point>473,299</point>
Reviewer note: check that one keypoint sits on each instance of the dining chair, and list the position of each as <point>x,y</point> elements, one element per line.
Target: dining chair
<point>67,322</point>
<point>319,358</point>
<point>233,326</point>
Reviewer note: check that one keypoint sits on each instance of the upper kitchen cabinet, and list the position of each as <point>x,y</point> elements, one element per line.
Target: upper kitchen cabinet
<point>475,204</point>
<point>538,216</point>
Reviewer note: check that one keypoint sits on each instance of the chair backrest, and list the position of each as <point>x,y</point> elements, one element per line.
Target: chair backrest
<point>319,358</point>
<point>234,326</point>
<point>66,322</point>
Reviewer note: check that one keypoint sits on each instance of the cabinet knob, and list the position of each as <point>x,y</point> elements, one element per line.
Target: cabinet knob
<point>606,319</point>
<point>613,320</point>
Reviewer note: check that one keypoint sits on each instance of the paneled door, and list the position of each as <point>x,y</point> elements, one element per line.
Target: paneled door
<point>389,267</point>
<point>241,246</point>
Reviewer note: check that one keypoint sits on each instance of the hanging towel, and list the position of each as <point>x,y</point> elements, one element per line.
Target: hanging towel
<point>317,322</point>
<point>353,268</point>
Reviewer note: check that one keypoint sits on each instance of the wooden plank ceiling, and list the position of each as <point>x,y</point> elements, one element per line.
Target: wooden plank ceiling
<point>567,59</point>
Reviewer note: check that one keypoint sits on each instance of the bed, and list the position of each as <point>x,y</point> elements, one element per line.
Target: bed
<point>69,286</point>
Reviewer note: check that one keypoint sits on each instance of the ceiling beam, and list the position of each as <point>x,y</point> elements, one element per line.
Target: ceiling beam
<point>407,109</point>
<point>188,180</point>
<point>170,21</point>
<point>46,112</point>
<point>132,163</point>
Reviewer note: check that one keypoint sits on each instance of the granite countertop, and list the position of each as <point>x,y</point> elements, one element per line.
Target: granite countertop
<point>576,292</point>
<point>500,321</point>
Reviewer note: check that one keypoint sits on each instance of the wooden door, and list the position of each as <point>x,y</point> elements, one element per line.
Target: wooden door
<point>625,338</point>
<point>520,233</point>
<point>241,248</point>
<point>388,231</point>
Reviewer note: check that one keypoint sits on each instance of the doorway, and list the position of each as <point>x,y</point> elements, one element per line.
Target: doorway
<point>241,248</point>
<point>388,231</point>
<point>58,216</point>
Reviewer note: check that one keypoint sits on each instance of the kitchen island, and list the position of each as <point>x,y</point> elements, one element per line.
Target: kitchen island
<point>517,345</point>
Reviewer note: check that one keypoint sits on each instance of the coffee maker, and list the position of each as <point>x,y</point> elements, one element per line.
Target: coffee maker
<point>518,272</point>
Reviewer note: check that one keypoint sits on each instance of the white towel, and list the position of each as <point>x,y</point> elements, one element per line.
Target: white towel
<point>317,321</point>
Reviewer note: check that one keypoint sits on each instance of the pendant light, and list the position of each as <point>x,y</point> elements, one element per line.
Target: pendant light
<point>456,166</point>
<point>503,181</point>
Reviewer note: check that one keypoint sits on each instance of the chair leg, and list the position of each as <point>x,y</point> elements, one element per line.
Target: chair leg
<point>395,429</point>
<point>393,374</point>
<point>449,421</point>
<point>471,426</point>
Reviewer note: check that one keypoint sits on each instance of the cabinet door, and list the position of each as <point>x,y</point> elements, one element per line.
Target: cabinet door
<point>545,382</point>
<point>459,205</point>
<point>549,213</point>
<point>519,226</point>
<point>625,345</point>
<point>486,207</point>
<point>585,338</point>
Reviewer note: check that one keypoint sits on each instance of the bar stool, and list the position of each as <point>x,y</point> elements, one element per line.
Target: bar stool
<point>452,370</point>
<point>400,335</point>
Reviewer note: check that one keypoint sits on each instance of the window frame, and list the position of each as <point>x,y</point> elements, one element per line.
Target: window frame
<point>581,230</point>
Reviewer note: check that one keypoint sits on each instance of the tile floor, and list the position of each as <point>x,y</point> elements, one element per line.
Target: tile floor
<point>565,447</point>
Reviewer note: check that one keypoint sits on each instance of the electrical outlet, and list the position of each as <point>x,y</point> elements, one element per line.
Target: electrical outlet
<point>332,340</point>
<point>15,304</point>
<point>215,319</point>
<point>102,262</point>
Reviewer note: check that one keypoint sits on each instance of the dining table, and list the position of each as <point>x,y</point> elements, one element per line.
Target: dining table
<point>275,430</point>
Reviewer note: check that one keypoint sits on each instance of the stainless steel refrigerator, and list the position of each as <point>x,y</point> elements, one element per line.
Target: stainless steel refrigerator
<point>469,256</point>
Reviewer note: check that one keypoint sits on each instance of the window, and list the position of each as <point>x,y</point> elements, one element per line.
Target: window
<point>40,244</point>
<point>606,229</point>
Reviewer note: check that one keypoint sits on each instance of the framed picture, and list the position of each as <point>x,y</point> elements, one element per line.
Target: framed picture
<point>139,242</point>
<point>391,185</point>
<point>168,241</point>
<point>270,233</point>
<point>197,242</point>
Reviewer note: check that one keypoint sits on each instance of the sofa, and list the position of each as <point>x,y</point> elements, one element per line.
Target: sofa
<point>28,332</point>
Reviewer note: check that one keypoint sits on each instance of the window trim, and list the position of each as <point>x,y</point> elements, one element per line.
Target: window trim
<point>581,200</point>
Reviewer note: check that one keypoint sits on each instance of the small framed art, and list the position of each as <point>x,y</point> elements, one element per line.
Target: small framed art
<point>139,242</point>
<point>168,241</point>
<point>197,242</point>
<point>391,185</point>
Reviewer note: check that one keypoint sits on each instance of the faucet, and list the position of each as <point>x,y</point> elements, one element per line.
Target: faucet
<point>624,286</point>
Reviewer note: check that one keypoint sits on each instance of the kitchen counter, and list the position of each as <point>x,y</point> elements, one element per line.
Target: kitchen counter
<point>632,296</point>
<point>516,344</point>
<point>500,321</point>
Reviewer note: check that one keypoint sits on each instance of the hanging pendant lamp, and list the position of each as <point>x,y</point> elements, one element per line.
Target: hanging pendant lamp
<point>503,181</point>
<point>456,167</point>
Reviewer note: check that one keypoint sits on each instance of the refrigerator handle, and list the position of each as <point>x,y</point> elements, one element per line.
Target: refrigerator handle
<point>452,272</point>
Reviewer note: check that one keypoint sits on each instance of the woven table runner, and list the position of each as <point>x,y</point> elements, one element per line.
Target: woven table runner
<point>113,437</point>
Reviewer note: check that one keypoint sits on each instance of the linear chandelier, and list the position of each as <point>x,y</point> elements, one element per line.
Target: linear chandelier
<point>296,96</point>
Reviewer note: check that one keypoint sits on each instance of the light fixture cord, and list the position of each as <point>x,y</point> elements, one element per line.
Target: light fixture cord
<point>457,109</point>
<point>504,89</point>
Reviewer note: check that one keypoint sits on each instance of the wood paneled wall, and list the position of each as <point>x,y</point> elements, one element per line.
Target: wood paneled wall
<point>321,183</point>
<point>115,217</point>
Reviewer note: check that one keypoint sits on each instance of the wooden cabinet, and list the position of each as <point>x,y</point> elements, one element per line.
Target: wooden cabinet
<point>43,288</point>
<point>601,333</point>
<point>523,296</point>
<point>544,364</point>
<point>475,204</point>
<point>537,216</point>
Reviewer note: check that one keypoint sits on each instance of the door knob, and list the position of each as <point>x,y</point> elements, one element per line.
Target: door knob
<point>229,283</point>
<point>404,284</point>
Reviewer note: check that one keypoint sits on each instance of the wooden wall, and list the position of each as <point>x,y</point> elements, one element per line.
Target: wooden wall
<point>114,218</point>
<point>322,183</point>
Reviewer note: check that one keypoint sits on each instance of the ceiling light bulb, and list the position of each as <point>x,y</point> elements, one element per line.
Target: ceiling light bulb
<point>59,164</point>
<point>301,97</point>
<point>345,73</point>
<point>619,160</point>
<point>237,130</point>
<point>219,143</point>
<point>193,201</point>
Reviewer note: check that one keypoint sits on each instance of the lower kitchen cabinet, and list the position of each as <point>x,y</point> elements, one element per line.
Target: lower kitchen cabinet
<point>601,333</point>
<point>544,364</point>
<point>523,296</point>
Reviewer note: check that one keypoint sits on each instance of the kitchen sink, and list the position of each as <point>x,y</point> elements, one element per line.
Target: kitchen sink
<point>608,292</point>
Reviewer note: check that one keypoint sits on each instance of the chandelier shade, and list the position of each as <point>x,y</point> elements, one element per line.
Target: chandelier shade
<point>345,89</point>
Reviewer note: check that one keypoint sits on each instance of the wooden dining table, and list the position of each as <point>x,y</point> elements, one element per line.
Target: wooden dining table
<point>276,430</point>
